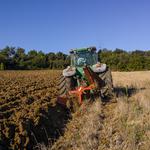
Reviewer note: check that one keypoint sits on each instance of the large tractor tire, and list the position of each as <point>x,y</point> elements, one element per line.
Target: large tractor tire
<point>107,89</point>
<point>65,84</point>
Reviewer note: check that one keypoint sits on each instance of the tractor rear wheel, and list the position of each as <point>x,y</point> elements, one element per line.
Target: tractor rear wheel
<point>65,84</point>
<point>107,89</point>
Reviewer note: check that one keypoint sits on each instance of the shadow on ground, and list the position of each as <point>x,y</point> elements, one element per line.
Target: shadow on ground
<point>120,91</point>
<point>126,91</point>
<point>51,125</point>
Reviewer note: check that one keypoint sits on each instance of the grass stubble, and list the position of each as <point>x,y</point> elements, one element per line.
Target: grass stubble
<point>124,125</point>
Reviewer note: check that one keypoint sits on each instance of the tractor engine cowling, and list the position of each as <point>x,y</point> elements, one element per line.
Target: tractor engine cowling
<point>99,67</point>
<point>69,71</point>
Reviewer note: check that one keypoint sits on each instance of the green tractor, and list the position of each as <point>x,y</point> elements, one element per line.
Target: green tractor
<point>85,78</point>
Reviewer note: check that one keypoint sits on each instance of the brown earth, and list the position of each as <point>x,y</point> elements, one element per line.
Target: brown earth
<point>29,114</point>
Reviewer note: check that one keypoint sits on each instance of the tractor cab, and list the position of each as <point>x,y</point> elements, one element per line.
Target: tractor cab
<point>83,57</point>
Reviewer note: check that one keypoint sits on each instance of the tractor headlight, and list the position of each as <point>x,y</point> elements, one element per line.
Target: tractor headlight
<point>69,71</point>
<point>99,67</point>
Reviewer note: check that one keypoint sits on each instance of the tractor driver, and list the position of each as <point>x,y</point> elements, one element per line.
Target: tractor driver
<point>81,61</point>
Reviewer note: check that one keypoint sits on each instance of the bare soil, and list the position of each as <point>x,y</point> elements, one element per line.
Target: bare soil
<point>29,114</point>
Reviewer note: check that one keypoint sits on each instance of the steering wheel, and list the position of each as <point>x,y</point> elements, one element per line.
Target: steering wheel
<point>81,61</point>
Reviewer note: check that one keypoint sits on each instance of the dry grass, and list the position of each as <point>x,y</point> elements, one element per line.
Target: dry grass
<point>124,125</point>
<point>83,131</point>
<point>138,79</point>
<point>131,114</point>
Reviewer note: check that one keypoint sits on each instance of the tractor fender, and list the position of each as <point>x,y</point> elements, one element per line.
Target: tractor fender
<point>69,71</point>
<point>99,67</point>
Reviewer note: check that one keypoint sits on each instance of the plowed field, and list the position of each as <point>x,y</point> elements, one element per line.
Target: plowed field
<point>28,111</point>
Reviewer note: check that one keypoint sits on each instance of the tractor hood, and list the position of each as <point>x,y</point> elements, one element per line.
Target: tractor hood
<point>69,71</point>
<point>99,67</point>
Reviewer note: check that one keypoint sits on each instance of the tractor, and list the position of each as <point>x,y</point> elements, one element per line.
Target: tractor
<point>85,78</point>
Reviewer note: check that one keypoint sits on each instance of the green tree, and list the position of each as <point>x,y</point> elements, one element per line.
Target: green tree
<point>1,66</point>
<point>19,58</point>
<point>119,59</point>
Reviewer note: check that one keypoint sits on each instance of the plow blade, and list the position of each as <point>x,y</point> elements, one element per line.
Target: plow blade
<point>76,93</point>
<point>80,91</point>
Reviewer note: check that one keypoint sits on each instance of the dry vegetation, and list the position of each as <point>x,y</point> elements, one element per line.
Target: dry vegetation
<point>132,112</point>
<point>113,126</point>
<point>83,131</point>
<point>29,114</point>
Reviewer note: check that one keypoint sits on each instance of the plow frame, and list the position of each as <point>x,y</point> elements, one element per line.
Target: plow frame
<point>80,90</point>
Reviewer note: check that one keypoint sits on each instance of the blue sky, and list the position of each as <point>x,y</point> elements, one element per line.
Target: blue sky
<point>59,25</point>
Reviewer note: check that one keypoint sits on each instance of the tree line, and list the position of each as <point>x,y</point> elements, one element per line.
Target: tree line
<point>17,59</point>
<point>121,60</point>
<point>12,58</point>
